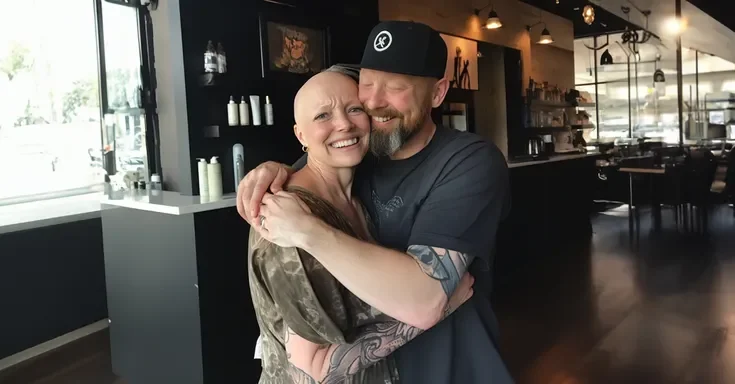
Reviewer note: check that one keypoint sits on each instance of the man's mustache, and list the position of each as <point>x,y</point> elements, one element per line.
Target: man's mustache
<point>383,112</point>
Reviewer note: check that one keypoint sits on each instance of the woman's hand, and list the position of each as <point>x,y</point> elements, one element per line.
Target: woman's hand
<point>284,219</point>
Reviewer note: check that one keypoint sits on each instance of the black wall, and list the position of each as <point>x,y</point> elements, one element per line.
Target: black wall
<point>52,281</point>
<point>236,23</point>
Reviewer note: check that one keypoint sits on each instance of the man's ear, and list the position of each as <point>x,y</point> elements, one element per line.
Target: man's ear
<point>439,92</point>
<point>299,135</point>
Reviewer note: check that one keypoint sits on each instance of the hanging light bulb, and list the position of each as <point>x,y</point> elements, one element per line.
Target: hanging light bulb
<point>588,14</point>
<point>545,37</point>
<point>493,21</point>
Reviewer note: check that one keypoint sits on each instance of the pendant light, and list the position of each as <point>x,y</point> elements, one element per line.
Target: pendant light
<point>606,58</point>
<point>588,14</point>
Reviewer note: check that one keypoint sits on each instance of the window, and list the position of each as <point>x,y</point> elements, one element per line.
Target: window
<point>52,141</point>
<point>49,97</point>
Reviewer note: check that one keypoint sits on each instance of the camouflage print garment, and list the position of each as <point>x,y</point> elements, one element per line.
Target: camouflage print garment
<point>288,286</point>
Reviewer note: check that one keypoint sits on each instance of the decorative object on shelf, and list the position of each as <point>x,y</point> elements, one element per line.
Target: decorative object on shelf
<point>255,108</point>
<point>244,112</point>
<point>210,58</point>
<point>232,113</point>
<point>293,46</point>
<point>588,14</point>
<point>268,111</point>
<point>238,163</point>
<point>211,131</point>
<point>461,68</point>
<point>221,59</point>
<point>493,21</point>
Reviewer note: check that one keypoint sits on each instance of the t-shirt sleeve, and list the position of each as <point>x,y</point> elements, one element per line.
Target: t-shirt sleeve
<point>300,163</point>
<point>287,282</point>
<point>468,201</point>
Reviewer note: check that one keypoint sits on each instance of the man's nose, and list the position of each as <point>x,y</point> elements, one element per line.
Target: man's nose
<point>374,100</point>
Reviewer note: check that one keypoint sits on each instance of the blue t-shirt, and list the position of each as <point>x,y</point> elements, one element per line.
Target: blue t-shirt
<point>453,194</point>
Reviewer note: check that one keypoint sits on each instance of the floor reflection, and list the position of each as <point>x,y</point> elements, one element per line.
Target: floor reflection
<point>659,310</point>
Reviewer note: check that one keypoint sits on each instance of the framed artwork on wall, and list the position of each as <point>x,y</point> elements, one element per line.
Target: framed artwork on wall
<point>461,62</point>
<point>290,46</point>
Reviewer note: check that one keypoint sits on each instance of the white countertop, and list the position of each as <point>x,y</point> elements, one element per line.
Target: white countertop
<point>43,213</point>
<point>552,159</point>
<point>19,217</point>
<point>172,203</point>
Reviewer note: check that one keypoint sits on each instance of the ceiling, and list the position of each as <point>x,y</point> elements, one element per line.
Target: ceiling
<point>605,22</point>
<point>691,62</point>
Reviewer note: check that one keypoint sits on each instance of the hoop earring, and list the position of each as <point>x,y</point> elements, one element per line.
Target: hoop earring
<point>304,148</point>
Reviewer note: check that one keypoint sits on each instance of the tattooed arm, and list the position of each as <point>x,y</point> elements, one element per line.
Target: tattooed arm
<point>331,364</point>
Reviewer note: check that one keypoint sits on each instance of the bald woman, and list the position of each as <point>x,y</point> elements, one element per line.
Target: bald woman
<point>312,328</point>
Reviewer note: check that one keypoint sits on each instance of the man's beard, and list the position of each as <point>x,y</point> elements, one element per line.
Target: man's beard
<point>387,143</point>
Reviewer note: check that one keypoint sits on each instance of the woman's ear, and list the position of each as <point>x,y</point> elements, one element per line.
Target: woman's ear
<point>299,135</point>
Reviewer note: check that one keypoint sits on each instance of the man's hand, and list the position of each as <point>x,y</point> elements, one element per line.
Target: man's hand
<point>250,192</point>
<point>462,293</point>
<point>284,219</point>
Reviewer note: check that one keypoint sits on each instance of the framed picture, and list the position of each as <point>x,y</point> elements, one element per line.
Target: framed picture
<point>461,67</point>
<point>289,46</point>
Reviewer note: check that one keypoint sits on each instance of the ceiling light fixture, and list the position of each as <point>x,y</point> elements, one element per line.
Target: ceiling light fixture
<point>588,14</point>
<point>493,21</point>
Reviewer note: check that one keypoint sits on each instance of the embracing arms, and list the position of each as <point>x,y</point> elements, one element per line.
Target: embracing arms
<point>313,363</point>
<point>456,223</point>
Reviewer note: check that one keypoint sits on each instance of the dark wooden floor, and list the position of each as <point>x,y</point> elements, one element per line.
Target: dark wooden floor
<point>661,310</point>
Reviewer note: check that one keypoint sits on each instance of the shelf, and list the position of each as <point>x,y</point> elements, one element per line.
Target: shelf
<point>548,129</point>
<point>550,104</point>
<point>211,79</point>
<point>577,127</point>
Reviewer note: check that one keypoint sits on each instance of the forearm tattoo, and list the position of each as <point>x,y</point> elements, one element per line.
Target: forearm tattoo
<point>376,342</point>
<point>441,264</point>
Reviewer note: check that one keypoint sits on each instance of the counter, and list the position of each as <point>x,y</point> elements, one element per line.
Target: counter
<point>552,201</point>
<point>177,289</point>
<point>171,203</point>
<point>551,159</point>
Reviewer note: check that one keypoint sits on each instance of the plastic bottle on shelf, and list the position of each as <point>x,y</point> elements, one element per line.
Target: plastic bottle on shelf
<point>232,113</point>
<point>203,177</point>
<point>214,176</point>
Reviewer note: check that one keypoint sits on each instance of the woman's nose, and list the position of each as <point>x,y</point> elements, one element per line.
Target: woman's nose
<point>343,123</point>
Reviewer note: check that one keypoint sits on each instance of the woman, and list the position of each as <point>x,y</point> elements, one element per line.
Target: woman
<point>312,328</point>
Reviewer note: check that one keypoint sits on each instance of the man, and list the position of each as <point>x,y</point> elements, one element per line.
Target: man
<point>436,197</point>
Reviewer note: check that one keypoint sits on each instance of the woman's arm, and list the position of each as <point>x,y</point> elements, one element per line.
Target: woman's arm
<point>333,363</point>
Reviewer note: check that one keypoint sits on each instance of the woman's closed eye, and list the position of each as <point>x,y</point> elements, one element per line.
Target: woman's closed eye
<point>356,110</point>
<point>321,116</point>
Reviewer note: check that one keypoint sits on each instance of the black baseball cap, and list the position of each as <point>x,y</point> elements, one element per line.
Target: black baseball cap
<point>405,47</point>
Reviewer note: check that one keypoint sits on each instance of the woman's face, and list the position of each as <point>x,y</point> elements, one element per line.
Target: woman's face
<point>331,122</point>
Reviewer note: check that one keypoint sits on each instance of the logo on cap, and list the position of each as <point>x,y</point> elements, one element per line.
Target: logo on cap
<point>382,41</point>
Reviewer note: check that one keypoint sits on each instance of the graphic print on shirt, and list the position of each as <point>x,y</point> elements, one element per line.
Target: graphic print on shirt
<point>384,210</point>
